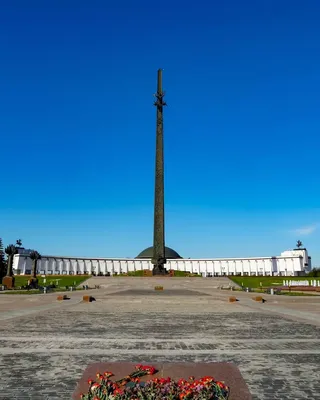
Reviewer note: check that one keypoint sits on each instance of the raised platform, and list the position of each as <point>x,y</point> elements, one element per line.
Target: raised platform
<point>165,292</point>
<point>226,372</point>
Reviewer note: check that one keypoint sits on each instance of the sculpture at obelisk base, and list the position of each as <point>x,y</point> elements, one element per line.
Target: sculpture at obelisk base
<point>159,259</point>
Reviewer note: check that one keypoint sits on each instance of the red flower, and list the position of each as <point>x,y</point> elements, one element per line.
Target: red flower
<point>94,387</point>
<point>151,370</point>
<point>164,380</point>
<point>182,389</point>
<point>90,381</point>
<point>99,376</point>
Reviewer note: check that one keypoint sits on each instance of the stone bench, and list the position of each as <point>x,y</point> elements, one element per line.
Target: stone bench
<point>258,298</point>
<point>88,299</point>
<point>62,297</point>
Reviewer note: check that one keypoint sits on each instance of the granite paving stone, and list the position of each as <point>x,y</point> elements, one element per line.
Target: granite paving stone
<point>44,350</point>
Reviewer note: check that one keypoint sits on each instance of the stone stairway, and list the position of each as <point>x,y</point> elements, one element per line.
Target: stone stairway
<point>105,281</point>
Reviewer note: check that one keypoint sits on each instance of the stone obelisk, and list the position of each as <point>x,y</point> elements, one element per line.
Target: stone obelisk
<point>158,258</point>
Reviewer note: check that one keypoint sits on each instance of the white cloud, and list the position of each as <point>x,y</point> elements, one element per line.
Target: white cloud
<point>305,231</point>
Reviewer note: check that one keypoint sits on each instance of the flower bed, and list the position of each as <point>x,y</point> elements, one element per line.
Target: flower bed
<point>131,388</point>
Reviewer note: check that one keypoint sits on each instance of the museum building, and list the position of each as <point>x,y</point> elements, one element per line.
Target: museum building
<point>290,263</point>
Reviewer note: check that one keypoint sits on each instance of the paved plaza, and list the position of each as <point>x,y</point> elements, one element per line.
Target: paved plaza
<point>45,345</point>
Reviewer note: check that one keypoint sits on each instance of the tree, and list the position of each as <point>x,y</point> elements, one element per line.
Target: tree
<point>10,251</point>
<point>35,256</point>
<point>3,265</point>
<point>299,244</point>
<point>314,273</point>
<point>19,242</point>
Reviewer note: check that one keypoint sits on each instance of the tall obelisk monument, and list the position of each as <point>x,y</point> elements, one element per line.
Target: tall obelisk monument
<point>158,258</point>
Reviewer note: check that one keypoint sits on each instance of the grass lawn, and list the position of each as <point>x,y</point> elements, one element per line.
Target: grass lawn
<point>58,280</point>
<point>37,291</point>
<point>267,281</point>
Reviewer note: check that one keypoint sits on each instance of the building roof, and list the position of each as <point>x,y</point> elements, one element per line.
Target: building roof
<point>148,253</point>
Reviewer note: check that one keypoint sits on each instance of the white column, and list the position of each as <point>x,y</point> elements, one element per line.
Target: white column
<point>285,266</point>
<point>38,266</point>
<point>264,267</point>
<point>53,260</point>
<point>74,267</point>
<point>61,267</point>
<point>47,264</point>
<point>292,265</point>
<point>24,266</point>
<point>68,266</point>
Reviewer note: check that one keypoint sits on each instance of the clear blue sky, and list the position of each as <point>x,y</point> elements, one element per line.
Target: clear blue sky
<point>77,125</point>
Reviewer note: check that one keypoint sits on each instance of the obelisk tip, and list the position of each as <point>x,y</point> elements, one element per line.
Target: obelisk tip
<point>159,80</point>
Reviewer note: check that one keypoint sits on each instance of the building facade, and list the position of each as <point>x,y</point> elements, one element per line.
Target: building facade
<point>289,263</point>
